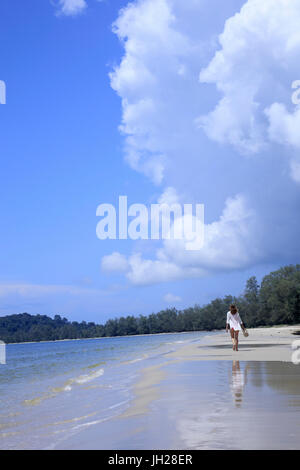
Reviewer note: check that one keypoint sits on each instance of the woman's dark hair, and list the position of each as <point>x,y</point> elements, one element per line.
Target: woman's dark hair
<point>233,309</point>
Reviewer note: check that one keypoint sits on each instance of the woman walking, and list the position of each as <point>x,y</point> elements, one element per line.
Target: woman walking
<point>235,325</point>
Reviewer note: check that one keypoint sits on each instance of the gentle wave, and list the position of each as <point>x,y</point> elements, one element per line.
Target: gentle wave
<point>69,372</point>
<point>177,342</point>
<point>138,359</point>
<point>67,387</point>
<point>93,366</point>
<point>81,379</point>
<point>73,420</point>
<point>118,404</point>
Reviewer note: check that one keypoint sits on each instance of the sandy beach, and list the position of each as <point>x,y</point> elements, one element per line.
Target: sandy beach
<point>189,392</point>
<point>203,395</point>
<point>205,391</point>
<point>262,344</point>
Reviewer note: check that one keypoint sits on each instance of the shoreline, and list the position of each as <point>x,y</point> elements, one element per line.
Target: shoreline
<point>297,327</point>
<point>109,337</point>
<point>197,395</point>
<point>262,344</point>
<point>267,344</point>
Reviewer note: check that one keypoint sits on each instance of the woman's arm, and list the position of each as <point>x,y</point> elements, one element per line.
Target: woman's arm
<point>241,322</point>
<point>227,323</point>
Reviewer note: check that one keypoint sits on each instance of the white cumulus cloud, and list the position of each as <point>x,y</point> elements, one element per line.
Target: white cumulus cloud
<point>187,134</point>
<point>71,7</point>
<point>153,78</point>
<point>253,69</point>
<point>228,245</point>
<point>171,298</point>
<point>114,262</point>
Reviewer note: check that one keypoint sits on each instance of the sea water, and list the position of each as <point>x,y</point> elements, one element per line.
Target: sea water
<point>52,390</point>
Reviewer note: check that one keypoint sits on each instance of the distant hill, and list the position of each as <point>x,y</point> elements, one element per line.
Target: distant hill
<point>276,301</point>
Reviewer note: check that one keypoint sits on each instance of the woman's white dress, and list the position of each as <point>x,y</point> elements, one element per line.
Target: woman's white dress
<point>234,321</point>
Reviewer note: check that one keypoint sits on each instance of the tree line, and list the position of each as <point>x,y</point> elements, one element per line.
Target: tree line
<point>275,301</point>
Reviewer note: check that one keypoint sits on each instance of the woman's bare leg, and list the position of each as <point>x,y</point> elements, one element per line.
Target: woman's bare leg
<point>236,336</point>
<point>233,338</point>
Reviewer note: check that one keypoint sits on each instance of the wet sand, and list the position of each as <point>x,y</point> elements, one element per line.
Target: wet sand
<point>206,396</point>
<point>206,405</point>
<point>262,344</point>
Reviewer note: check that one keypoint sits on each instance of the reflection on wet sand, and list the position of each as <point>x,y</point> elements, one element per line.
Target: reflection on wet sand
<point>238,382</point>
<point>259,402</point>
<point>284,378</point>
<point>280,376</point>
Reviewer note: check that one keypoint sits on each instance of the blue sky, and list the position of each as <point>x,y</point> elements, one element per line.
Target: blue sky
<point>202,94</point>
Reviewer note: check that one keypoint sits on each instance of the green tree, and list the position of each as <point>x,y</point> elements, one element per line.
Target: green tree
<point>251,303</point>
<point>279,296</point>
